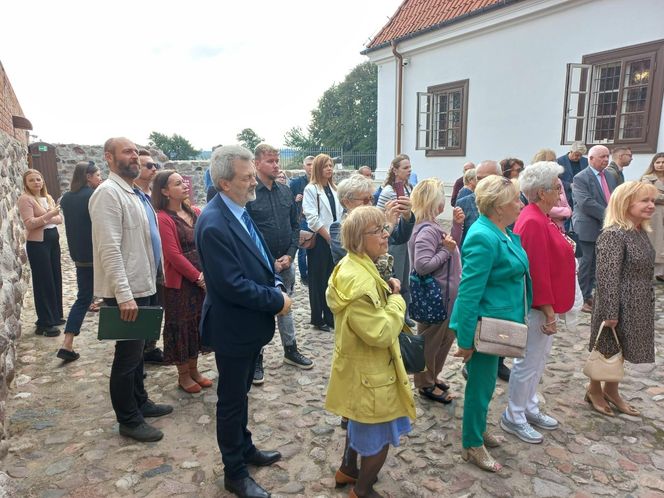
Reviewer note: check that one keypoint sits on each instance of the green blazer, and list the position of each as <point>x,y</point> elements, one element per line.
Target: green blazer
<point>492,280</point>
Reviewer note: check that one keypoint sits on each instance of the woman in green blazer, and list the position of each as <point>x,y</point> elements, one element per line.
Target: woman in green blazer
<point>495,269</point>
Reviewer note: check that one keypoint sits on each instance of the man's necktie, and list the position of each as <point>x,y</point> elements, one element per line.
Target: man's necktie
<point>605,186</point>
<point>251,228</point>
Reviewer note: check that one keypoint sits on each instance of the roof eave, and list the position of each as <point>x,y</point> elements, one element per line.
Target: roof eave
<point>440,25</point>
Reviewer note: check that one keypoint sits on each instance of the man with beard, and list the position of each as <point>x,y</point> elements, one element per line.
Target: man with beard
<point>243,295</point>
<point>275,213</point>
<point>126,254</point>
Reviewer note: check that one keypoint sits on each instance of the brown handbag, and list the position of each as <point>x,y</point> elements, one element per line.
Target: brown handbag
<point>599,367</point>
<point>498,337</point>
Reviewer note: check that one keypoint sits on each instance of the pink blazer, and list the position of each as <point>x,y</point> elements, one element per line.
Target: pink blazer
<point>34,217</point>
<point>176,266</point>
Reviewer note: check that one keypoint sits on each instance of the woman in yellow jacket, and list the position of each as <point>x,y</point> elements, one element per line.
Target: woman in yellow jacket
<point>368,383</point>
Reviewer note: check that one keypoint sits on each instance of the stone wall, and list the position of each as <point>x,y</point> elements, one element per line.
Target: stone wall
<point>13,284</point>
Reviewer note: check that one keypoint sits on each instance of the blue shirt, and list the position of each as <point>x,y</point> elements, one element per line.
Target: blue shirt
<point>154,229</point>
<point>208,179</point>
<point>469,208</point>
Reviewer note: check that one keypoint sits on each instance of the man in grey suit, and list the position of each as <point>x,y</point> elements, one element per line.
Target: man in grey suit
<point>621,157</point>
<point>591,188</point>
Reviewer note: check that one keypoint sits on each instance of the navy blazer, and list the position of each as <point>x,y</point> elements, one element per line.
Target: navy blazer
<point>567,176</point>
<point>242,298</point>
<point>588,216</point>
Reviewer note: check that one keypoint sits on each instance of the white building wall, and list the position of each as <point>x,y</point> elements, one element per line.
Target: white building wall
<point>517,69</point>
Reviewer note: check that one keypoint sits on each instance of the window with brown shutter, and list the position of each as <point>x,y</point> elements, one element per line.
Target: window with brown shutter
<point>615,97</point>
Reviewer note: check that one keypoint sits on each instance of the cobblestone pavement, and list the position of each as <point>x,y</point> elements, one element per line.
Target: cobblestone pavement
<point>64,439</point>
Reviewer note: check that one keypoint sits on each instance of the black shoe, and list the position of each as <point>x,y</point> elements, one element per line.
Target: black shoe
<point>245,488</point>
<point>503,371</point>
<point>305,281</point>
<point>263,458</point>
<point>464,372</point>
<point>293,357</point>
<point>259,374</point>
<point>67,355</point>
<point>51,331</point>
<point>62,321</point>
<point>143,432</point>
<point>156,357</point>
<point>151,409</point>
<point>427,392</point>
<point>323,328</point>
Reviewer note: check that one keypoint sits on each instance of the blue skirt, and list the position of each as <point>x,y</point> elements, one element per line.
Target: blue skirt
<point>369,439</point>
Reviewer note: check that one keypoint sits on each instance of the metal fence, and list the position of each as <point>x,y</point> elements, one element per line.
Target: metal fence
<point>293,158</point>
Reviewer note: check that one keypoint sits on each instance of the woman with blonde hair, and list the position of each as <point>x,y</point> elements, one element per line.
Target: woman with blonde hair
<point>321,208</point>
<point>396,186</point>
<point>434,252</point>
<point>654,175</point>
<point>624,296</point>
<point>41,215</point>
<point>368,381</point>
<point>494,283</point>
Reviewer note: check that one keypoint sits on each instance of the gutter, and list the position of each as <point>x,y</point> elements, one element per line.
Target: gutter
<point>399,97</point>
<point>448,22</point>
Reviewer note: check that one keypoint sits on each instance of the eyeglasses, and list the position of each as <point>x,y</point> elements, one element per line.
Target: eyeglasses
<point>558,187</point>
<point>152,165</point>
<point>365,200</point>
<point>378,231</point>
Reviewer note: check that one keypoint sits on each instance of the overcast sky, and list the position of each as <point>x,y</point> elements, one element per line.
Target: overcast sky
<point>86,71</point>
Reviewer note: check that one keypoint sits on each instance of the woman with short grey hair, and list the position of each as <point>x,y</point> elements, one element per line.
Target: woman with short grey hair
<point>553,272</point>
<point>355,191</point>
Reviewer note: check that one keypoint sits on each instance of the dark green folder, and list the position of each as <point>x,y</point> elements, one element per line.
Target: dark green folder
<point>147,326</point>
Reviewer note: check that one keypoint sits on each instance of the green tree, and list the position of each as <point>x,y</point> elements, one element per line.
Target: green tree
<point>345,115</point>
<point>249,138</point>
<point>176,147</point>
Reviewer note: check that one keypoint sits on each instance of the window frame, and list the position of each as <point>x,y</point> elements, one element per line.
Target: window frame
<point>429,130</point>
<point>647,143</point>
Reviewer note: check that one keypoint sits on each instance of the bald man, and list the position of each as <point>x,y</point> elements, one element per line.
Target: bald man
<point>591,189</point>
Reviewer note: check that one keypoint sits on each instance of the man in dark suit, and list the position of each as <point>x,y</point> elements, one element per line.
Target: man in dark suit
<point>572,162</point>
<point>297,185</point>
<point>243,296</point>
<point>592,188</point>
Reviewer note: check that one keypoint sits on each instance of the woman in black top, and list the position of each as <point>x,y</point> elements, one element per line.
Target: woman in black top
<point>78,227</point>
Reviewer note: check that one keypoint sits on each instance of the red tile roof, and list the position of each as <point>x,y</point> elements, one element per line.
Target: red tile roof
<point>415,17</point>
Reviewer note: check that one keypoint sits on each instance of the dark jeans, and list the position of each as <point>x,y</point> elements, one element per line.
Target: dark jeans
<point>233,437</point>
<point>302,253</point>
<point>320,269</point>
<point>127,391</point>
<point>586,271</point>
<point>85,282</point>
<point>44,260</point>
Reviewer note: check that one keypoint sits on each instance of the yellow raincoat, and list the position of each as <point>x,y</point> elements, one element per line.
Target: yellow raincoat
<point>368,382</point>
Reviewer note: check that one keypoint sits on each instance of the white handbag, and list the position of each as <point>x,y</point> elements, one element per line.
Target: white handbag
<point>599,367</point>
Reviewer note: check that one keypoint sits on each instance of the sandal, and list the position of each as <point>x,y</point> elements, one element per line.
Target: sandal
<point>442,386</point>
<point>604,411</point>
<point>480,457</point>
<point>443,398</point>
<point>490,441</point>
<point>625,407</point>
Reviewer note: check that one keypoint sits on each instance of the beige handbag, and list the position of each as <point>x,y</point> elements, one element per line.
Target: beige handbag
<point>498,337</point>
<point>599,367</point>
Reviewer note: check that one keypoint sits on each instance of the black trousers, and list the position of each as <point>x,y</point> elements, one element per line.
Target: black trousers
<point>586,272</point>
<point>320,265</point>
<point>233,437</point>
<point>44,258</point>
<point>128,393</point>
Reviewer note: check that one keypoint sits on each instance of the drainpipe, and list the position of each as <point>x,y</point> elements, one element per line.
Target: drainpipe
<point>399,97</point>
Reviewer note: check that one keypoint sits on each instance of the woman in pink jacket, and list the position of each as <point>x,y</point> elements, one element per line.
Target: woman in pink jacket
<point>434,252</point>
<point>184,286</point>
<point>41,216</point>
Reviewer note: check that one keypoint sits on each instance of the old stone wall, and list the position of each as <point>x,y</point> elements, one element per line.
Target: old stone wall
<point>13,282</point>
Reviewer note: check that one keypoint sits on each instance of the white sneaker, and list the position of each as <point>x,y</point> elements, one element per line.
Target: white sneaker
<point>542,421</point>
<point>523,431</point>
